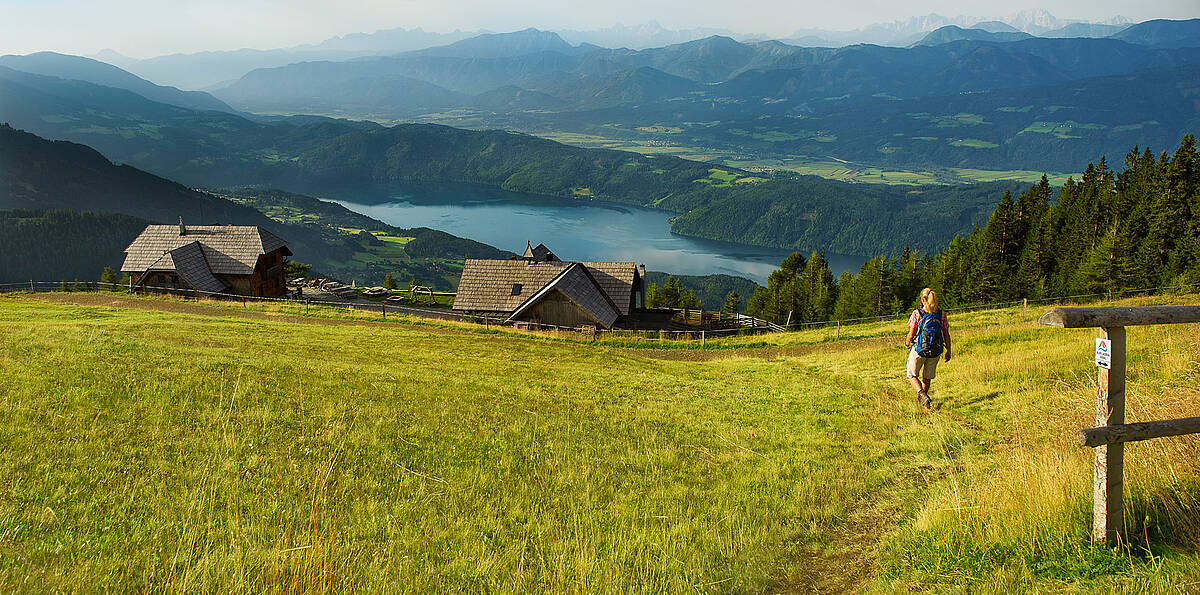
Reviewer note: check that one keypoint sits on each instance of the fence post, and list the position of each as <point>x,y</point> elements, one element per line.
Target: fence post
<point>1109,476</point>
<point>384,310</point>
<point>702,337</point>
<point>306,306</point>
<point>31,289</point>
<point>1024,306</point>
<point>838,337</point>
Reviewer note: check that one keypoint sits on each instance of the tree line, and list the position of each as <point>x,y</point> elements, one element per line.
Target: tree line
<point>1106,232</point>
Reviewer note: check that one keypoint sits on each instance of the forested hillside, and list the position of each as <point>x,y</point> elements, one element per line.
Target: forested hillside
<point>1109,231</point>
<point>62,244</point>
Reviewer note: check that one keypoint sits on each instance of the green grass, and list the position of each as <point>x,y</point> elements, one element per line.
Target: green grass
<point>174,451</point>
<point>825,168</point>
<point>1068,129</point>
<point>973,143</point>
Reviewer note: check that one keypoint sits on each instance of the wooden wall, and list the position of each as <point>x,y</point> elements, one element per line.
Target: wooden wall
<point>556,309</point>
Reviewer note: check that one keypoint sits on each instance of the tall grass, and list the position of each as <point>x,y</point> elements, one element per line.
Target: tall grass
<point>144,450</point>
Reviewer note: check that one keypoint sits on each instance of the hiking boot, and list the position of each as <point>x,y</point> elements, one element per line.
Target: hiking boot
<point>923,399</point>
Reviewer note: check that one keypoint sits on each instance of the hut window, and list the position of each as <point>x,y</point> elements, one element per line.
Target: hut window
<point>516,289</point>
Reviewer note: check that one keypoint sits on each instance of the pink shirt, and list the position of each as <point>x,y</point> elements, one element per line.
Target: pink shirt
<point>914,321</point>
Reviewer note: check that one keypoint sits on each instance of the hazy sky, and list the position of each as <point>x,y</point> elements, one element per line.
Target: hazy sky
<point>144,28</point>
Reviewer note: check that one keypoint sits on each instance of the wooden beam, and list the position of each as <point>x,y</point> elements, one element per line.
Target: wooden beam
<point>1114,317</point>
<point>1139,431</point>
<point>1108,477</point>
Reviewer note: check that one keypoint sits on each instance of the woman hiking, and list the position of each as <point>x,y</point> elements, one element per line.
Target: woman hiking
<point>928,336</point>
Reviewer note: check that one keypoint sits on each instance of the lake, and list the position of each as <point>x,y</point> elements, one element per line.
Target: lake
<point>572,229</point>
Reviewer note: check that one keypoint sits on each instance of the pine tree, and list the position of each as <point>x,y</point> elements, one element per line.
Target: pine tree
<point>756,306</point>
<point>389,282</point>
<point>733,303</point>
<point>108,279</point>
<point>652,299</point>
<point>670,293</point>
<point>816,291</point>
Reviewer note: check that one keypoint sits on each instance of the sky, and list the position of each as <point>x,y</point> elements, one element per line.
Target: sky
<point>145,28</point>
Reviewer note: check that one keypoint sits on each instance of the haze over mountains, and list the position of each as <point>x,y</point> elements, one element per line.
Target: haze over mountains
<point>208,69</point>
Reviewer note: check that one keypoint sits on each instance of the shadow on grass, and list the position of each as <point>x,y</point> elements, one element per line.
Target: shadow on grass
<point>1167,516</point>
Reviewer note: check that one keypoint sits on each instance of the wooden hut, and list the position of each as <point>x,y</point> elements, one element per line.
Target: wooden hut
<point>238,259</point>
<point>540,288</point>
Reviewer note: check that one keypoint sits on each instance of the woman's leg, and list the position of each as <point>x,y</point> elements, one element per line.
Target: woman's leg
<point>916,383</point>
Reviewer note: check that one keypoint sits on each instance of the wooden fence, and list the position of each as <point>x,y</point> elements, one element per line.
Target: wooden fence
<point>1109,437</point>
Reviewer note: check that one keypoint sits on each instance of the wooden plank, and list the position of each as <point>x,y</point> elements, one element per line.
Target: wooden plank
<point>1139,431</point>
<point>1108,478</point>
<point>1123,316</point>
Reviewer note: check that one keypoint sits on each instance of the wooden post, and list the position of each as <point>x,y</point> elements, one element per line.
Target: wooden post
<point>702,337</point>
<point>306,306</point>
<point>838,337</point>
<point>383,309</point>
<point>1024,306</point>
<point>1108,480</point>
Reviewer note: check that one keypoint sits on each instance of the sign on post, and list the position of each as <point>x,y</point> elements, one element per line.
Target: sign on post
<point>1111,433</point>
<point>1104,353</point>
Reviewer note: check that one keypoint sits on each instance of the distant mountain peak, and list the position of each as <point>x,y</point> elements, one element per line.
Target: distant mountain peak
<point>503,45</point>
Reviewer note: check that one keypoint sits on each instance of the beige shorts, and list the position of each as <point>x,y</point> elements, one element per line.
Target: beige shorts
<point>924,367</point>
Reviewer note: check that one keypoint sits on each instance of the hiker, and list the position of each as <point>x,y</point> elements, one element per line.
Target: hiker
<point>928,336</point>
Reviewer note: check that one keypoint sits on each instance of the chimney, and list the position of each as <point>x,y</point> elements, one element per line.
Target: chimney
<point>182,229</point>
<point>641,286</point>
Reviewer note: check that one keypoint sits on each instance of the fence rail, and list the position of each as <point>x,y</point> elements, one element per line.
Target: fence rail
<point>1111,433</point>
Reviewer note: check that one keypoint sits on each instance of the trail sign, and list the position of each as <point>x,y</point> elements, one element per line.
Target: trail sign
<point>1104,353</point>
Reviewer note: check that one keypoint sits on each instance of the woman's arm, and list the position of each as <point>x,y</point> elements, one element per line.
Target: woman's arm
<point>946,336</point>
<point>912,333</point>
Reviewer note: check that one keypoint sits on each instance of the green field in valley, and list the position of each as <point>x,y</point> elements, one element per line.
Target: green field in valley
<point>653,143</point>
<point>154,444</point>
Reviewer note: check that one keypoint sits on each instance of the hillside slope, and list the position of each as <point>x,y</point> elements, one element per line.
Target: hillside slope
<point>41,175</point>
<point>93,71</point>
<point>258,458</point>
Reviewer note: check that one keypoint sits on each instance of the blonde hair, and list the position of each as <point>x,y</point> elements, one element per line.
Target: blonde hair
<point>929,300</point>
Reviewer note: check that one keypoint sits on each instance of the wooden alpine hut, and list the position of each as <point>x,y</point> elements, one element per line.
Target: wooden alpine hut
<point>538,287</point>
<point>238,259</point>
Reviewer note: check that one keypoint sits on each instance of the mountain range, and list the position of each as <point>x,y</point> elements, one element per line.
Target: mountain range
<point>358,161</point>
<point>769,98</point>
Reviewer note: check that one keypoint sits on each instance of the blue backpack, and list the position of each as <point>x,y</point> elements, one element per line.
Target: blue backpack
<point>929,334</point>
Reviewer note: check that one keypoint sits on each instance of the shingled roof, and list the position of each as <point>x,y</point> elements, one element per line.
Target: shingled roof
<point>540,253</point>
<point>227,249</point>
<point>578,285</point>
<point>504,285</point>
<point>189,263</point>
<point>616,279</point>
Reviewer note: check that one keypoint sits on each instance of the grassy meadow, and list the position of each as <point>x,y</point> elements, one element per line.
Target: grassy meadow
<point>205,449</point>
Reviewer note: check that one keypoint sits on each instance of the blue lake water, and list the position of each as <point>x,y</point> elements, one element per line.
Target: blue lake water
<point>572,229</point>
